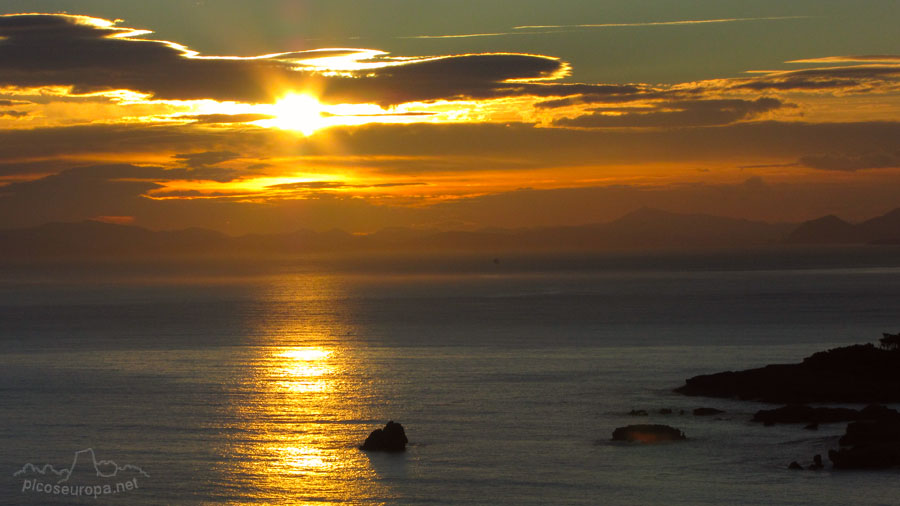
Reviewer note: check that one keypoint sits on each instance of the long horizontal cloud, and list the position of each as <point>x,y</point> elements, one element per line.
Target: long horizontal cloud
<point>473,147</point>
<point>879,73</point>
<point>453,77</point>
<point>213,119</point>
<point>867,58</point>
<point>683,22</point>
<point>679,114</point>
<point>552,29</point>
<point>320,185</point>
<point>93,55</point>
<point>95,192</point>
<point>883,76</point>
<point>850,163</point>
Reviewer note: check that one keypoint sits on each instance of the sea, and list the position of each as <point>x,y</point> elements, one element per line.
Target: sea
<point>255,381</point>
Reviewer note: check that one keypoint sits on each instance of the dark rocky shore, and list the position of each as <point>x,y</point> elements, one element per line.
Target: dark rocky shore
<point>871,443</point>
<point>861,373</point>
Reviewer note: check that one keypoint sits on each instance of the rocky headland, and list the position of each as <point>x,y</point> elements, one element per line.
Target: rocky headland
<point>862,373</point>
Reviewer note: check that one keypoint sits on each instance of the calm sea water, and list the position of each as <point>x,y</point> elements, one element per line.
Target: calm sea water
<point>237,384</point>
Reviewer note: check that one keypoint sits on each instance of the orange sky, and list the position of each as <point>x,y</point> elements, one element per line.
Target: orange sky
<point>103,120</point>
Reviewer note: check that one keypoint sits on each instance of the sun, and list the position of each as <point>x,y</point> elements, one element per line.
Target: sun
<point>299,112</point>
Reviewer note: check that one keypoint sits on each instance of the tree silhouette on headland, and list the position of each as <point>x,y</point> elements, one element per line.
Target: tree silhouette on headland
<point>890,341</point>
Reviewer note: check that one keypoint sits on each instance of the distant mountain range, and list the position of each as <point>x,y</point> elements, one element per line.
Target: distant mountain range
<point>645,229</point>
<point>833,230</point>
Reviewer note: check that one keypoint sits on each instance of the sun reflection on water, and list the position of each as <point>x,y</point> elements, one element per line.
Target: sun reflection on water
<point>297,436</point>
<point>302,369</point>
<point>302,404</point>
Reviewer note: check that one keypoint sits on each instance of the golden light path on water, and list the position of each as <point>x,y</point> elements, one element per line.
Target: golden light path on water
<point>299,418</point>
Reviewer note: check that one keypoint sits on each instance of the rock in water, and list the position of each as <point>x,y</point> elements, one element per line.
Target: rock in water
<point>392,438</point>
<point>872,442</point>
<point>817,463</point>
<point>647,433</point>
<point>866,456</point>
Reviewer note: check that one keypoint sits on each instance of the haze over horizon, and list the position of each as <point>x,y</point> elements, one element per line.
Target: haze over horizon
<point>292,115</point>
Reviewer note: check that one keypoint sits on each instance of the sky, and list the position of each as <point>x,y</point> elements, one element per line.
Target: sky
<point>277,115</point>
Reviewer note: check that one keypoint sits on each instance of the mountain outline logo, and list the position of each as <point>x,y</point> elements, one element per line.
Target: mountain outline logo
<point>102,468</point>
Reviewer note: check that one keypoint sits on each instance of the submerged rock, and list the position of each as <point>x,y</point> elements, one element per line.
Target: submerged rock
<point>647,433</point>
<point>392,438</point>
<point>815,466</point>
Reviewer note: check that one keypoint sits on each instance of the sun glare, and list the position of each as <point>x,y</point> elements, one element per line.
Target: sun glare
<point>301,113</point>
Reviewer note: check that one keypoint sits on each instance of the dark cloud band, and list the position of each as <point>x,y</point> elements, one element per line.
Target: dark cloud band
<point>93,55</point>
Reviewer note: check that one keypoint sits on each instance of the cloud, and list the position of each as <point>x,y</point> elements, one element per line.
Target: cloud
<point>117,191</point>
<point>76,141</point>
<point>660,23</point>
<point>226,118</point>
<point>846,79</point>
<point>93,55</point>
<point>879,74</point>
<point>171,194</point>
<point>324,185</point>
<point>309,185</point>
<point>473,76</point>
<point>869,58</point>
<point>74,194</point>
<point>35,169</point>
<point>206,158</point>
<point>451,148</point>
<point>679,114</point>
<point>555,29</point>
<point>11,103</point>
<point>459,35</point>
<point>850,163</point>
<point>769,165</point>
<point>14,114</point>
<point>612,94</point>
